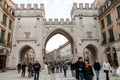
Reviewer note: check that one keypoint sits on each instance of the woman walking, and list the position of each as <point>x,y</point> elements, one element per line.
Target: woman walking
<point>88,71</point>
<point>106,68</point>
<point>30,70</point>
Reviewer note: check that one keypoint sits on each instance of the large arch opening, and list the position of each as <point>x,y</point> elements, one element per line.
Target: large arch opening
<point>90,53</point>
<point>111,56</point>
<point>69,44</point>
<point>27,54</point>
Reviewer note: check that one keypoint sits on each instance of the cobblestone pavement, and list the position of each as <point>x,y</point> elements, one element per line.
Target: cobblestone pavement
<point>13,75</point>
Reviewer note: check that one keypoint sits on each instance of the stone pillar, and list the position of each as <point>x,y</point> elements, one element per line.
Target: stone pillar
<point>74,58</point>
<point>39,57</point>
<point>13,59</point>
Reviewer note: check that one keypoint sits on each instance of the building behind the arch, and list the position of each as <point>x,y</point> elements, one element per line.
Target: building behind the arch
<point>6,27</point>
<point>109,20</point>
<point>31,28</point>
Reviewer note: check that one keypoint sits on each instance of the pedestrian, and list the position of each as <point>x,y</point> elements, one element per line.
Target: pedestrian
<point>49,68</point>
<point>96,67</point>
<point>19,66</point>
<point>57,68</point>
<point>65,67</point>
<point>72,68</point>
<point>88,71</point>
<point>23,69</point>
<point>30,69</point>
<point>53,68</point>
<point>106,68</point>
<point>61,67</point>
<point>36,67</point>
<point>80,65</point>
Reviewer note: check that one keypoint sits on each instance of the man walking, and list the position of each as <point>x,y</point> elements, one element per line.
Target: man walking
<point>36,67</point>
<point>23,69</point>
<point>65,67</point>
<point>96,67</point>
<point>80,65</point>
<point>19,66</point>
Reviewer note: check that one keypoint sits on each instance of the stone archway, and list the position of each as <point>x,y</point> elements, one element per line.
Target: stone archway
<point>111,56</point>
<point>62,32</point>
<point>27,54</point>
<point>90,53</point>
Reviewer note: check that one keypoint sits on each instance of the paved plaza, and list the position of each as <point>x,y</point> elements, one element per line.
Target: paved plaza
<point>13,75</point>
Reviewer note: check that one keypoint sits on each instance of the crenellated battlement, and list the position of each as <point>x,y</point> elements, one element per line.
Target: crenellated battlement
<point>83,6</point>
<point>56,21</point>
<point>30,6</point>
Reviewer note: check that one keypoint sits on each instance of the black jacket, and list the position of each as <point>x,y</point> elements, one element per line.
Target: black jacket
<point>72,66</point>
<point>96,66</point>
<point>36,67</point>
<point>88,73</point>
<point>80,65</point>
<point>23,66</point>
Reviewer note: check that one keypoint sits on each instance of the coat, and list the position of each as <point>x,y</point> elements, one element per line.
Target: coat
<point>96,66</point>
<point>88,71</point>
<point>106,66</point>
<point>36,67</point>
<point>79,65</point>
<point>30,67</point>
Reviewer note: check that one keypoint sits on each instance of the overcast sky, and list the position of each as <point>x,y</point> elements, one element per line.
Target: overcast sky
<point>55,9</point>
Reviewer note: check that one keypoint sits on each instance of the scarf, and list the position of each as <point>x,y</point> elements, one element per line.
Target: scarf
<point>87,65</point>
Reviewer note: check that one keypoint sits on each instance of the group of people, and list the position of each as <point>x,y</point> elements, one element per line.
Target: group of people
<point>81,70</point>
<point>32,69</point>
<point>57,68</point>
<point>84,70</point>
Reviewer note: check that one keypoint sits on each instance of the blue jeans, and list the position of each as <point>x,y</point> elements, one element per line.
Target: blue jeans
<point>81,76</point>
<point>73,73</point>
<point>97,74</point>
<point>36,75</point>
<point>65,72</point>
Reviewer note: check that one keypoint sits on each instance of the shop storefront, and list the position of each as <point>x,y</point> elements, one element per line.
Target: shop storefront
<point>3,58</point>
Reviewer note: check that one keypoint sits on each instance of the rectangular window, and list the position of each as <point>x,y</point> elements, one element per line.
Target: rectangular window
<point>111,39</point>
<point>4,19</point>
<point>27,35</point>
<point>2,36</point>
<point>89,34</point>
<point>104,38</point>
<point>118,11</point>
<point>8,40</point>
<point>10,24</point>
<point>109,19</point>
<point>102,23</point>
